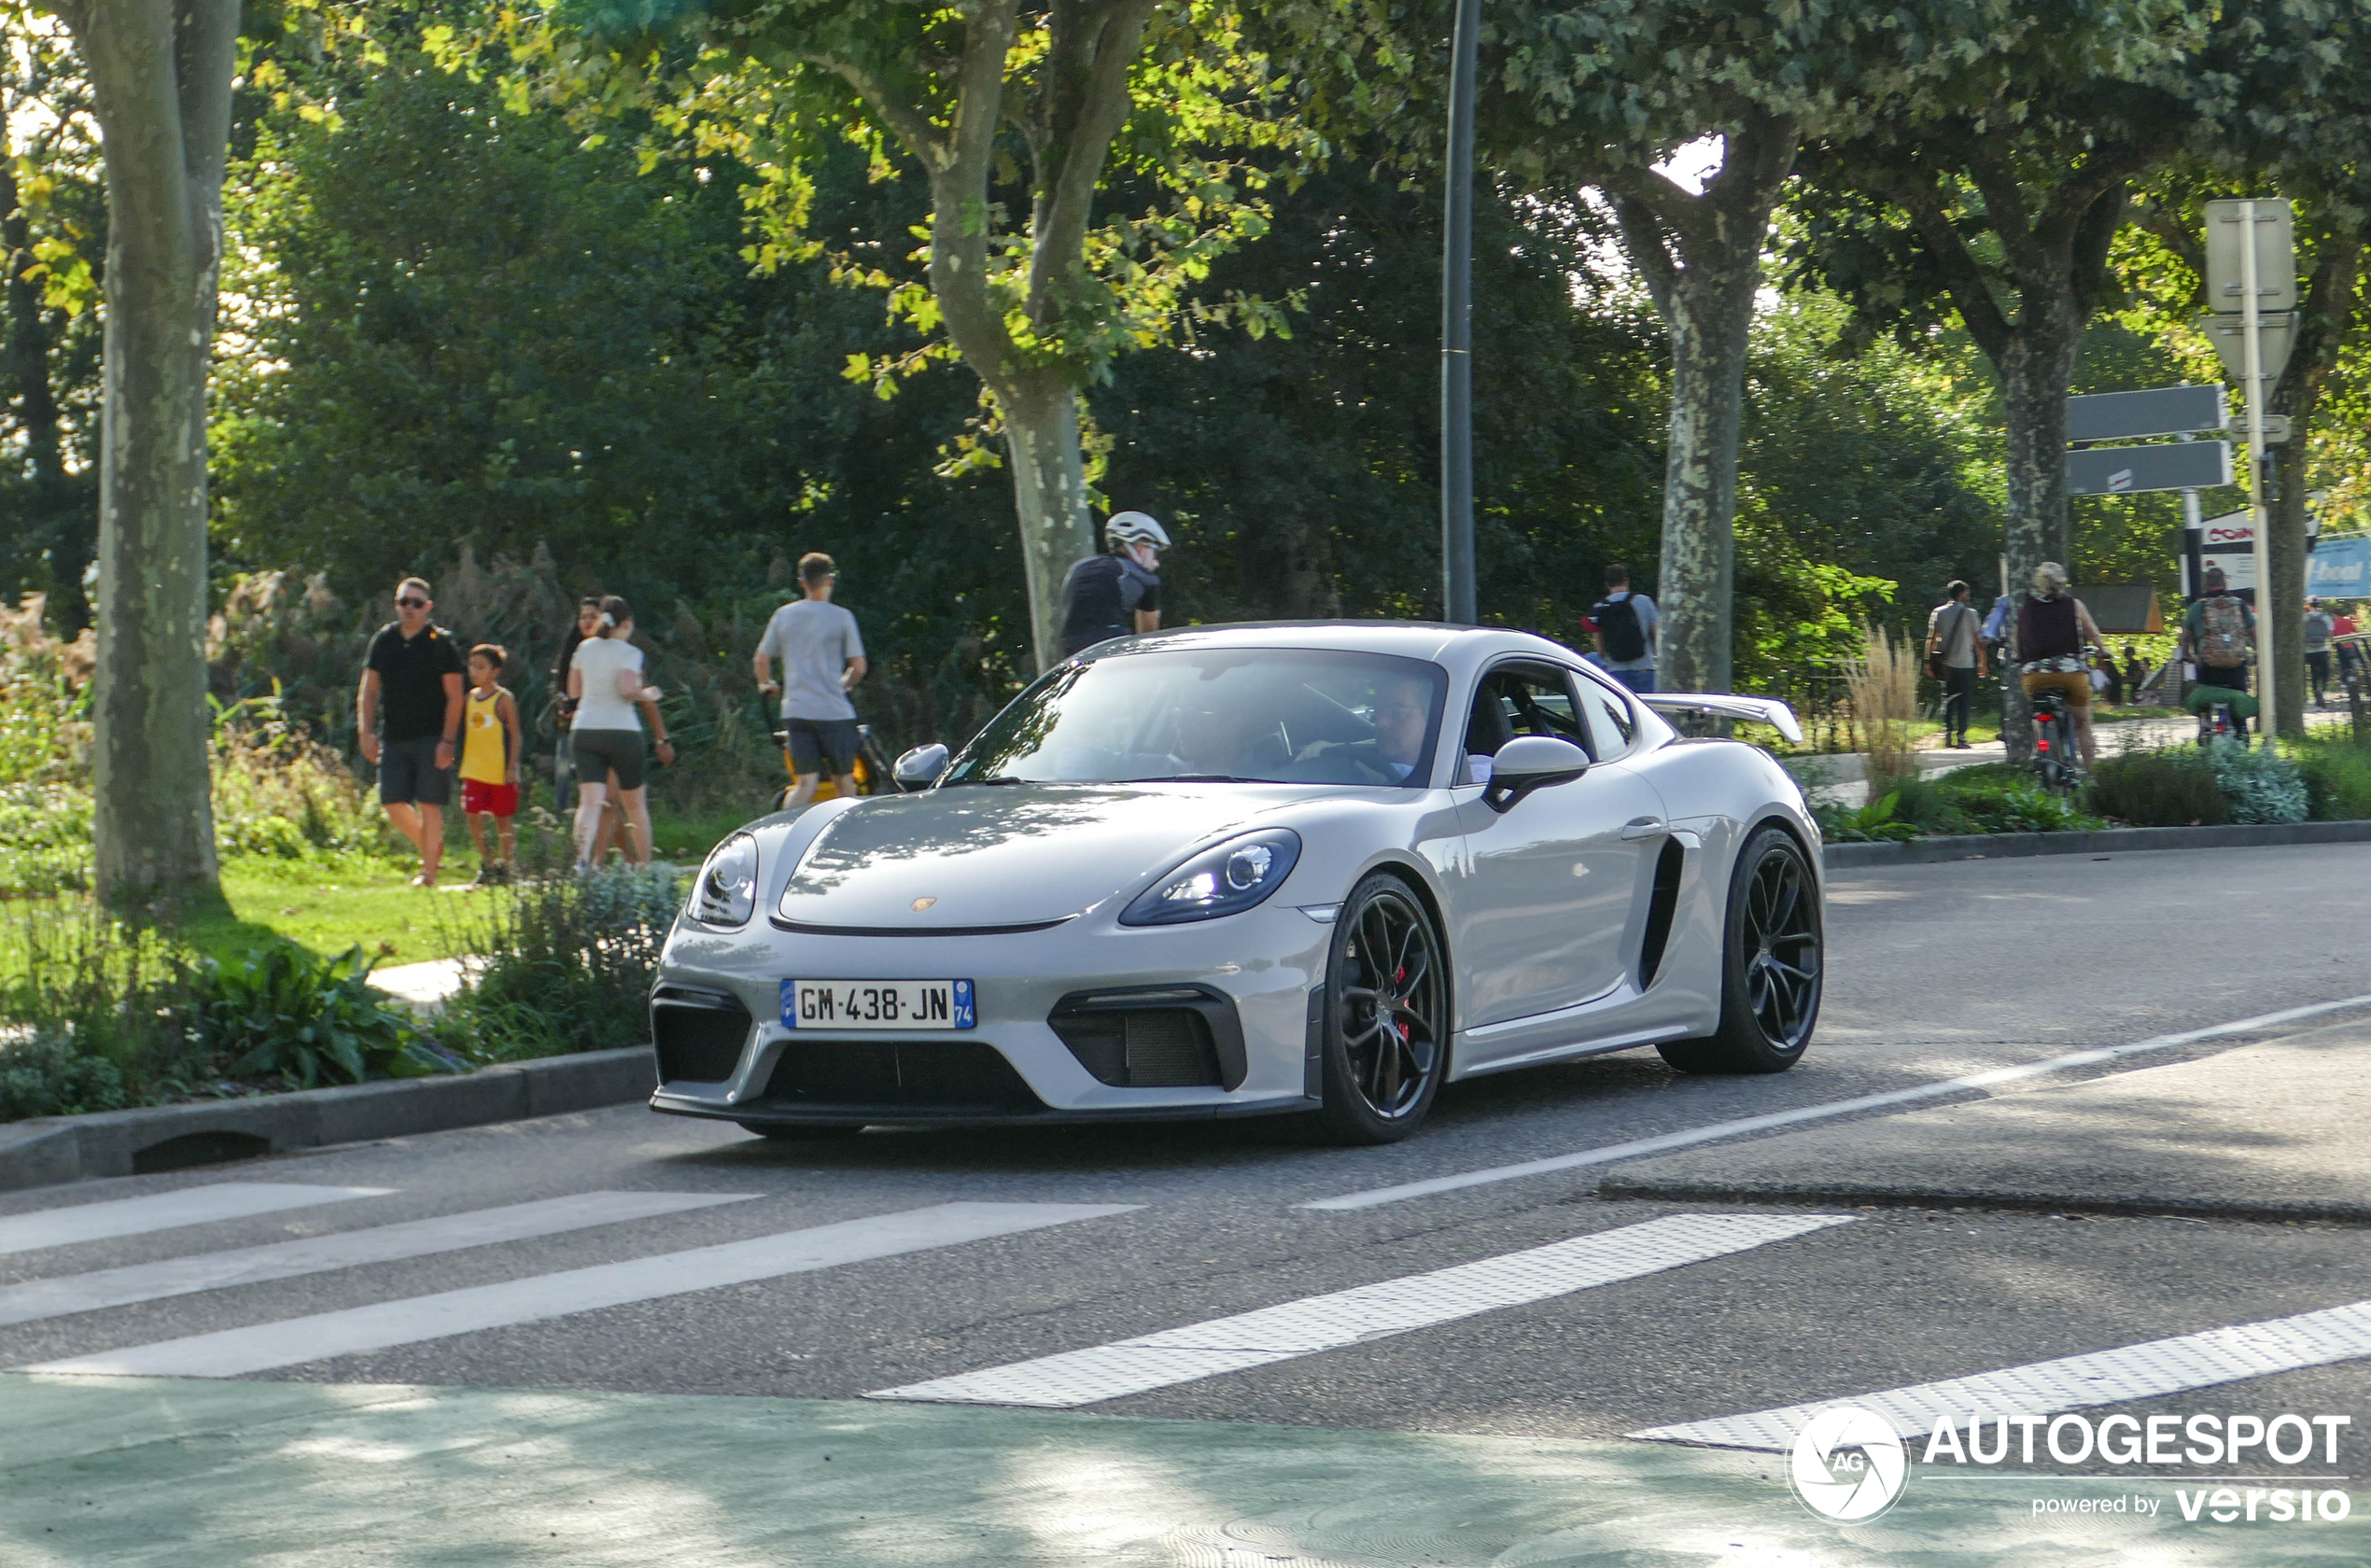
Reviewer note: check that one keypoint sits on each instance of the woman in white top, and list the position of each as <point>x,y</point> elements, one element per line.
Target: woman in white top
<point>605,677</point>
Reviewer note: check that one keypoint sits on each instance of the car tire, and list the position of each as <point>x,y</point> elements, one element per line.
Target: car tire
<point>1385,1049</point>
<point>1772,950</point>
<point>780,1132</point>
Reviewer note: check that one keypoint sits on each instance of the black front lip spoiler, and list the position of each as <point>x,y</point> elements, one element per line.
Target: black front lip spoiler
<point>776,1115</point>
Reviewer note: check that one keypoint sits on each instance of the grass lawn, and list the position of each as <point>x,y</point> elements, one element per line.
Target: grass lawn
<point>329,908</point>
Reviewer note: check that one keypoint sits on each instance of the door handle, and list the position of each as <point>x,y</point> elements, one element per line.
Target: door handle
<point>1644,827</point>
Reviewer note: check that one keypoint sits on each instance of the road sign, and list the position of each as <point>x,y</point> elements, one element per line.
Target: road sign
<point>2339,569</point>
<point>2226,256</point>
<point>2276,428</point>
<point>2163,410</point>
<point>2230,341</point>
<point>2123,470</point>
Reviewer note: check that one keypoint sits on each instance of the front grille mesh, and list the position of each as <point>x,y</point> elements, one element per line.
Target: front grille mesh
<point>948,1076</point>
<point>1142,1049</point>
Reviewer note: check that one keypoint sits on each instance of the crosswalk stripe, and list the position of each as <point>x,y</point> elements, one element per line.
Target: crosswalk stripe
<point>2114,1377</point>
<point>168,1211</point>
<point>1689,1137</point>
<point>296,1340</point>
<point>314,1254</point>
<point>1325,1323</point>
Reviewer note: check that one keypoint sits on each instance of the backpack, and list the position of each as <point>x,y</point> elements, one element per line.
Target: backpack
<point>1617,624</point>
<point>2223,633</point>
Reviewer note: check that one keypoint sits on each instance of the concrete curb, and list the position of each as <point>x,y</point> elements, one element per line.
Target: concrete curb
<point>1829,1194</point>
<point>51,1149</point>
<point>2105,841</point>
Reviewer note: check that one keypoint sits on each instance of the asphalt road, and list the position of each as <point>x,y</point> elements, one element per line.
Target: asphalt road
<point>1935,971</point>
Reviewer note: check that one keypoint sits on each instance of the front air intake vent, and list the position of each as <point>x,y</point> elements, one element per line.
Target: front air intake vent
<point>698,1034</point>
<point>942,1076</point>
<point>1167,1038</point>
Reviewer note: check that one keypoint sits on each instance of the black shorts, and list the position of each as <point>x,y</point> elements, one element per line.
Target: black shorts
<point>408,774</point>
<point>814,741</point>
<point>598,754</point>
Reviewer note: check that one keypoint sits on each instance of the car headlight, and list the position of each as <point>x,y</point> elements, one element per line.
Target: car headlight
<point>1225,880</point>
<point>726,893</point>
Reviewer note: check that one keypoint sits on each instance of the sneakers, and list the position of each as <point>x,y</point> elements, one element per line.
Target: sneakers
<point>492,873</point>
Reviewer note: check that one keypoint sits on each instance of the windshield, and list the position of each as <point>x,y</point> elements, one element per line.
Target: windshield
<point>1250,715</point>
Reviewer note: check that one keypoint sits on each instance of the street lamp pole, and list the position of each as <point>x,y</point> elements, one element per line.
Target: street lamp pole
<point>1457,329</point>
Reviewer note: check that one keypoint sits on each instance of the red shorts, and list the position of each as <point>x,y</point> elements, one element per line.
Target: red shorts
<point>481,799</point>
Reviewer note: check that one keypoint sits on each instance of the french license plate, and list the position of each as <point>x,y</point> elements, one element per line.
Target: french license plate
<point>879,1004</point>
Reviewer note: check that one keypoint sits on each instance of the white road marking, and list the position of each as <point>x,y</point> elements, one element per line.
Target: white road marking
<point>296,1340</point>
<point>314,1254</point>
<point>1716,1131</point>
<point>167,1210</point>
<point>1325,1323</point>
<point>2143,1371</point>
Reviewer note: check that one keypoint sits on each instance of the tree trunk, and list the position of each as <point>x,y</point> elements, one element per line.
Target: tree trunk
<point>1049,493</point>
<point>2036,366</point>
<point>1711,321</point>
<point>161,83</point>
<point>56,517</point>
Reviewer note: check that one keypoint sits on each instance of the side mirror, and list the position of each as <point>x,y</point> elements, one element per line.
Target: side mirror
<point>919,768</point>
<point>1532,762</point>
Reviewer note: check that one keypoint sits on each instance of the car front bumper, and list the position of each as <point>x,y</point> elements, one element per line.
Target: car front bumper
<point>1267,963</point>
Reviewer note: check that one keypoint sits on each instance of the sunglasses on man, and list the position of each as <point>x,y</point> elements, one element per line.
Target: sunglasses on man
<point>413,604</point>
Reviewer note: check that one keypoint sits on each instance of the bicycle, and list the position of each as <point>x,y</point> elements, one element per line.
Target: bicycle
<point>2055,758</point>
<point>871,769</point>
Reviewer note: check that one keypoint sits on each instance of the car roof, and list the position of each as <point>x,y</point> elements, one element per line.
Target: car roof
<point>1459,648</point>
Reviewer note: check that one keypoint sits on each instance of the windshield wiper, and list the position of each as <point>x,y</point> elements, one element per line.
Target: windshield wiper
<point>996,778</point>
<point>1198,778</point>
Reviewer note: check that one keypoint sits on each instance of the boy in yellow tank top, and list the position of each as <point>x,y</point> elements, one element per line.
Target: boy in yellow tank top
<point>492,745</point>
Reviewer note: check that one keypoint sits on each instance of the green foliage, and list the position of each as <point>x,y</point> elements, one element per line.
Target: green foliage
<point>568,964</point>
<point>43,1075</point>
<point>1990,798</point>
<point>114,990</point>
<point>2262,785</point>
<point>2170,789</point>
<point>305,1019</point>
<point>2337,778</point>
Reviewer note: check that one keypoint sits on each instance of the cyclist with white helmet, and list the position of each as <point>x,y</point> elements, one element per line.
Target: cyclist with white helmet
<point>1118,593</point>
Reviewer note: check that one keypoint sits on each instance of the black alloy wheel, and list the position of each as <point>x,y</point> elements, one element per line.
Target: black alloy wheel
<point>1387,1023</point>
<point>1771,953</point>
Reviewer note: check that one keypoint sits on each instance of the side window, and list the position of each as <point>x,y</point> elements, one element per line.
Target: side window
<point>1610,719</point>
<point>1516,700</point>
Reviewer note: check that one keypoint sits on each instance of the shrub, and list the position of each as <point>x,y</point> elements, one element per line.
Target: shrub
<point>116,989</point>
<point>44,1076</point>
<point>2337,779</point>
<point>2262,785</point>
<point>568,962</point>
<point>2170,789</point>
<point>292,1014</point>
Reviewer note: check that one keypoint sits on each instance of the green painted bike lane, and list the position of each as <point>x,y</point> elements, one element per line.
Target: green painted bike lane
<point>198,1473</point>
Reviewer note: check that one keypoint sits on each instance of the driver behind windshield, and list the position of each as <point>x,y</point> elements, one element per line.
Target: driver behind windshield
<point>1398,744</point>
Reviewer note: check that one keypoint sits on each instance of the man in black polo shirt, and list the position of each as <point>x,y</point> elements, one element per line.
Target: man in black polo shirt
<point>416,669</point>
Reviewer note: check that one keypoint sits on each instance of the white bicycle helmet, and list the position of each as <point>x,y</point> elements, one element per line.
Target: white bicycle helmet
<point>1134,528</point>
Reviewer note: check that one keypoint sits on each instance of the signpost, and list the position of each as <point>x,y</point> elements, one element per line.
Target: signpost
<point>2163,411</point>
<point>2252,254</point>
<point>2124,470</point>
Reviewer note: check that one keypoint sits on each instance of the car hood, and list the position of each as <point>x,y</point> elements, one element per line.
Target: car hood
<point>1009,854</point>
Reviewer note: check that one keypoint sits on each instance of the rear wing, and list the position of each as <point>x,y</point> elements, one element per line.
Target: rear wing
<point>1761,710</point>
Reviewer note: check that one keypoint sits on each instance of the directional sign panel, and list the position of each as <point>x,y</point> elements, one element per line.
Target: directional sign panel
<point>2124,470</point>
<point>2163,410</point>
<point>2227,255</point>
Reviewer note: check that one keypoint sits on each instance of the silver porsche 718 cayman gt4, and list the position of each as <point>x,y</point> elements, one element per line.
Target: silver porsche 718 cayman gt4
<point>1248,870</point>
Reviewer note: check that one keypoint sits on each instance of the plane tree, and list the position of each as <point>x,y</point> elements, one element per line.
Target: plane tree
<point>1023,116</point>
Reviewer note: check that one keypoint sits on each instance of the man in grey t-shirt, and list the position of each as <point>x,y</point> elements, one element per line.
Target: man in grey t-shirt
<point>2317,626</point>
<point>822,659</point>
